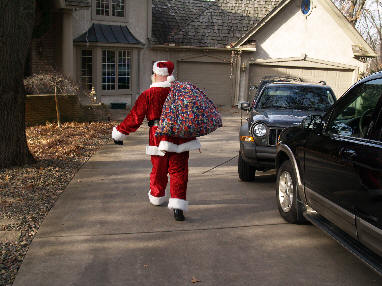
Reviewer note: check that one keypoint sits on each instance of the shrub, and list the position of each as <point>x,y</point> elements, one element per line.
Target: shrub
<point>45,83</point>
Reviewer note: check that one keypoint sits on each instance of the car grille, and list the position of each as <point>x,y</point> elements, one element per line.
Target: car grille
<point>273,136</point>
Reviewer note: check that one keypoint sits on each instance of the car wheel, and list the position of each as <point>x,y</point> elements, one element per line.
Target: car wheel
<point>287,195</point>
<point>246,171</point>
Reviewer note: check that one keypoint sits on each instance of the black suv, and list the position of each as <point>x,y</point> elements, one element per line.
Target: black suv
<point>329,171</point>
<point>277,106</point>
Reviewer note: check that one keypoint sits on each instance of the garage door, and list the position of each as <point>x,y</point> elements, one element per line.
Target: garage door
<point>338,79</point>
<point>214,78</point>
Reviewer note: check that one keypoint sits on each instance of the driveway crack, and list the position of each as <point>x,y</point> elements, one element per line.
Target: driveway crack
<point>162,231</point>
<point>220,164</point>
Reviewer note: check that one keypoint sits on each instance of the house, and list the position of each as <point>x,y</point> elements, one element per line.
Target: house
<point>224,46</point>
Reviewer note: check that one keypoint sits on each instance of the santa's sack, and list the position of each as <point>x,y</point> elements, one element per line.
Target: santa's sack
<point>188,112</point>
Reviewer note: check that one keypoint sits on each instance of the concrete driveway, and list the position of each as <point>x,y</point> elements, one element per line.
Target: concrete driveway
<point>103,231</point>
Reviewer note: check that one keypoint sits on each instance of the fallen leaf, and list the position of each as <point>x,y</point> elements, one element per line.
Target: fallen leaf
<point>194,280</point>
<point>29,187</point>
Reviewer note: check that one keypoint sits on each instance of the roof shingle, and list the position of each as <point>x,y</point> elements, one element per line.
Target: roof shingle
<point>204,23</point>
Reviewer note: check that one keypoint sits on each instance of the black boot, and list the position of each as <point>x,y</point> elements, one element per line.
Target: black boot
<point>178,215</point>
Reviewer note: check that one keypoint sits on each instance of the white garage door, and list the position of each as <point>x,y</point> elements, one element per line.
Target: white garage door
<point>338,79</point>
<point>214,78</point>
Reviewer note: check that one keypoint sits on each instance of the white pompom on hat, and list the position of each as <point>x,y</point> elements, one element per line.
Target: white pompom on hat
<point>164,68</point>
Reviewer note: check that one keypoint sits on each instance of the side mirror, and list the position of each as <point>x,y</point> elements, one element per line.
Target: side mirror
<point>349,112</point>
<point>244,105</point>
<point>313,122</point>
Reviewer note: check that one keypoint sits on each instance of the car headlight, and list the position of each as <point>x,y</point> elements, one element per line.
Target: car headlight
<point>259,130</point>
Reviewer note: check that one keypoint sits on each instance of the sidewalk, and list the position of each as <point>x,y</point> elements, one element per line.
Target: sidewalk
<point>103,230</point>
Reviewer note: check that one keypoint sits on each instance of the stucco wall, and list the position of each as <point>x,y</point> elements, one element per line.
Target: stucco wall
<point>136,19</point>
<point>318,35</point>
<point>81,22</point>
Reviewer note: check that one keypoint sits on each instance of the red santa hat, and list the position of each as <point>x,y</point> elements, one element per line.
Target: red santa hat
<point>164,68</point>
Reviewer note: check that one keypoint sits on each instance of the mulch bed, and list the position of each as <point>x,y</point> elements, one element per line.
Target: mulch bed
<point>28,193</point>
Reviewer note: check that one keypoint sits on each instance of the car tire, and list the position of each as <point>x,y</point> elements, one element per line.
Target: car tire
<point>286,194</point>
<point>246,171</point>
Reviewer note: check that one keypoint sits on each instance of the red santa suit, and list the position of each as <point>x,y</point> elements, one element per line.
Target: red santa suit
<point>169,155</point>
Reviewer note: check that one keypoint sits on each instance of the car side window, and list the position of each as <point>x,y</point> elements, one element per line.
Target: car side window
<point>354,118</point>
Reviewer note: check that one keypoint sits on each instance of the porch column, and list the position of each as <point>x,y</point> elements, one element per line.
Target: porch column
<point>67,43</point>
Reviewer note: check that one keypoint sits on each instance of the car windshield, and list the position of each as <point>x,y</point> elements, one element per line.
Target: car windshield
<point>296,97</point>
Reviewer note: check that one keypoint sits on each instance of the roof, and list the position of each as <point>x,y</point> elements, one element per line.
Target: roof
<point>360,49</point>
<point>112,34</point>
<point>77,3</point>
<point>202,23</point>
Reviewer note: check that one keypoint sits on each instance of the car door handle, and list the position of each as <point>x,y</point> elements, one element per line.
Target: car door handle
<point>348,154</point>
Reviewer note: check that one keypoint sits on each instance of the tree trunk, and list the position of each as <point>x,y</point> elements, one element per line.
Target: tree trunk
<point>16,26</point>
<point>57,106</point>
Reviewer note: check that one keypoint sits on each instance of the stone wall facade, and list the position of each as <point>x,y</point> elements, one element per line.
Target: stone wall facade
<point>40,109</point>
<point>44,52</point>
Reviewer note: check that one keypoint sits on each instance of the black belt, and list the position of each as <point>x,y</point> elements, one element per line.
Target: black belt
<point>152,123</point>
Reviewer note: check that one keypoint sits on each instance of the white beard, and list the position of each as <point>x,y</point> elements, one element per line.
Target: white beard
<point>152,78</point>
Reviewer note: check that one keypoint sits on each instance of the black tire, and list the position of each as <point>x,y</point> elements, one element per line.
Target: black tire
<point>289,207</point>
<point>246,171</point>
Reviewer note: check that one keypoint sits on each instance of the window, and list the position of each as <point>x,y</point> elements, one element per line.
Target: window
<point>114,8</point>
<point>123,70</point>
<point>87,69</point>
<point>115,69</point>
<point>296,97</point>
<point>354,118</point>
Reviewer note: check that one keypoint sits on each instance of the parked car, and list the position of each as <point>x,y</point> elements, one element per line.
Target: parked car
<point>278,105</point>
<point>329,171</point>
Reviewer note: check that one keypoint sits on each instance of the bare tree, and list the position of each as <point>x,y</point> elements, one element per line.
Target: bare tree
<point>352,9</point>
<point>16,26</point>
<point>371,27</point>
<point>366,17</point>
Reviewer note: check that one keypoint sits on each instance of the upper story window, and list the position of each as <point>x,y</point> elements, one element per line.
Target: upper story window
<point>110,8</point>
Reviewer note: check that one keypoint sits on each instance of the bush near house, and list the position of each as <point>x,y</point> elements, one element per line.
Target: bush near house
<point>45,83</point>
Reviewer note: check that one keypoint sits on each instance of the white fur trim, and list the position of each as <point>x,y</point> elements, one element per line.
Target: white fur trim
<point>153,150</point>
<point>161,84</point>
<point>118,136</point>
<point>178,204</point>
<point>171,147</point>
<point>156,201</point>
<point>158,70</point>
<point>170,78</point>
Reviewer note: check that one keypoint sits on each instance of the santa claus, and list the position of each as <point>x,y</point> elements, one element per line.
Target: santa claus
<point>169,155</point>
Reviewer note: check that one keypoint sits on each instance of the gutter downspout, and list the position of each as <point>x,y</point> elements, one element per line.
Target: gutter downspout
<point>237,79</point>
<point>149,19</point>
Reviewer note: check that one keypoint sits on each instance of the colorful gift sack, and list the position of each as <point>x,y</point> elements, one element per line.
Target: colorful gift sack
<point>188,112</point>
